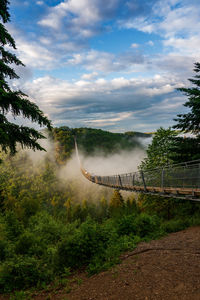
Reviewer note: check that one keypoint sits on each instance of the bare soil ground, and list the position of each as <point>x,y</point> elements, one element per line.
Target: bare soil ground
<point>168,268</point>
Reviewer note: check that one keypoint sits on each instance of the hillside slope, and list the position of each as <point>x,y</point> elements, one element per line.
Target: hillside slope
<point>91,141</point>
<point>167,269</point>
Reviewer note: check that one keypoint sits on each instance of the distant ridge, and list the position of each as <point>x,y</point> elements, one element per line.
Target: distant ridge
<point>92,140</point>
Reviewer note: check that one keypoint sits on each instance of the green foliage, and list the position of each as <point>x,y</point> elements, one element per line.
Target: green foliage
<point>187,149</point>
<point>190,122</point>
<point>116,204</point>
<point>163,207</point>
<point>15,102</point>
<point>20,295</point>
<point>126,225</point>
<point>92,140</point>
<point>174,225</point>
<point>78,249</point>
<point>45,247</point>
<point>3,247</point>
<point>146,225</point>
<point>29,243</point>
<point>21,272</point>
<point>13,226</point>
<point>138,225</point>
<point>159,152</point>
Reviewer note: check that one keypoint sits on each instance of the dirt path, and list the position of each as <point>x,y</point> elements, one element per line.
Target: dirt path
<point>164,269</point>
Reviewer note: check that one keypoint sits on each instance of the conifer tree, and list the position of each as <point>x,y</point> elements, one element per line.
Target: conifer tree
<point>103,207</point>
<point>116,204</point>
<point>68,205</point>
<point>190,122</point>
<point>15,102</point>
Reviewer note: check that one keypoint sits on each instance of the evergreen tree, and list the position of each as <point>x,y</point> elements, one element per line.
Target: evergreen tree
<point>116,199</point>
<point>185,149</point>
<point>103,208</point>
<point>15,102</point>
<point>116,204</point>
<point>68,205</point>
<point>190,122</point>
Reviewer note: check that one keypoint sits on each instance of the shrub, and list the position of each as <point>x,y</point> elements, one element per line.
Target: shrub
<point>77,249</point>
<point>48,228</point>
<point>29,243</point>
<point>174,225</point>
<point>22,272</point>
<point>195,220</point>
<point>126,225</point>
<point>147,225</point>
<point>3,247</point>
<point>141,225</point>
<point>13,226</point>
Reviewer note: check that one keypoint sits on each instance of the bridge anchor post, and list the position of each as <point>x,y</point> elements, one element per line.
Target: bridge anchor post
<point>142,175</point>
<point>162,179</point>
<point>120,181</point>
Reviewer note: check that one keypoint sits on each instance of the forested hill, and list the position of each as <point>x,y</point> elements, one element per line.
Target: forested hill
<point>94,140</point>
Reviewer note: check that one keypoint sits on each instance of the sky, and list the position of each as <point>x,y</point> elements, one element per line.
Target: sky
<point>113,65</point>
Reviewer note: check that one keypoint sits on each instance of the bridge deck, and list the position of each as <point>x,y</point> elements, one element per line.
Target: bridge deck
<point>172,191</point>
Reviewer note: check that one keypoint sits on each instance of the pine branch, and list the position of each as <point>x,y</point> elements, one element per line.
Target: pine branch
<point>195,81</point>
<point>197,67</point>
<point>5,37</point>
<point>9,58</point>
<point>19,105</point>
<point>190,91</point>
<point>6,71</point>
<point>12,134</point>
<point>4,14</point>
<point>3,86</point>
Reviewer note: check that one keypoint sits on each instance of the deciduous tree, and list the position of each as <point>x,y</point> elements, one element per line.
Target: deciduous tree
<point>159,152</point>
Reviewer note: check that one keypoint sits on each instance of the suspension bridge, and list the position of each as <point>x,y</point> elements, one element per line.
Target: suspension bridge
<point>178,180</point>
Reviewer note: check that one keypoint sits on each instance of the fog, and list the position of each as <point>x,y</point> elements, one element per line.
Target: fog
<point>70,176</point>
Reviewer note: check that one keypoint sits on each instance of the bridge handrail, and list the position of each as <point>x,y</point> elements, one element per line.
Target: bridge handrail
<point>180,180</point>
<point>166,167</point>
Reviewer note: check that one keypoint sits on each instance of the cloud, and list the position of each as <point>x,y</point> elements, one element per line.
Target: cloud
<point>135,8</point>
<point>82,17</point>
<point>150,43</point>
<point>139,23</point>
<point>114,103</point>
<point>185,46</point>
<point>134,45</point>
<point>110,120</point>
<point>167,18</point>
<point>105,61</point>
<point>31,53</point>
<point>181,20</point>
<point>65,29</point>
<point>90,76</point>
<point>177,23</point>
<point>35,55</point>
<point>180,66</point>
<point>40,2</point>
<point>110,87</point>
